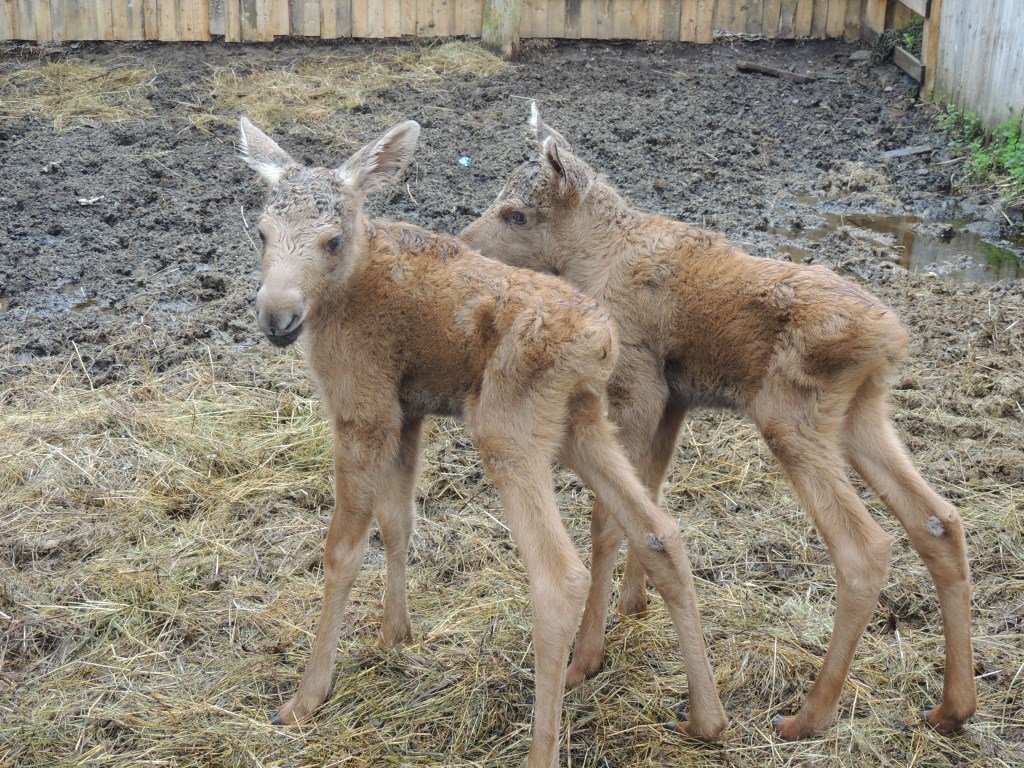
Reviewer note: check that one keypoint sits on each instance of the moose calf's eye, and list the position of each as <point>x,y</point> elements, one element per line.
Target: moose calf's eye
<point>517,217</point>
<point>334,243</point>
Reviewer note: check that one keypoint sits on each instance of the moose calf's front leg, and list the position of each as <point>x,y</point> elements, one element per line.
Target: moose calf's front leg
<point>396,516</point>
<point>356,485</point>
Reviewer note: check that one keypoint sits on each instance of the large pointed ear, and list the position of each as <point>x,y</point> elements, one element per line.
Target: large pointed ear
<point>543,131</point>
<point>575,176</point>
<point>261,153</point>
<point>382,162</point>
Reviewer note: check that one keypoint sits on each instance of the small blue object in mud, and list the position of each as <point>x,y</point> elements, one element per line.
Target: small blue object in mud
<point>465,162</point>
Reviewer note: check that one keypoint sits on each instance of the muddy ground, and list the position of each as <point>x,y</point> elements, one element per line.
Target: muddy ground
<point>161,271</point>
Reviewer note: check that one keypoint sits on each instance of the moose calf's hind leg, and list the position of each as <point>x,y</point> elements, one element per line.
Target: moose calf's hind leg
<point>591,450</point>
<point>633,592</point>
<point>936,533</point>
<point>860,550</point>
<point>606,537</point>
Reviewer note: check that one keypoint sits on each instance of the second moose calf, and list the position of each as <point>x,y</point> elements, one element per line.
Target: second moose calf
<point>802,352</point>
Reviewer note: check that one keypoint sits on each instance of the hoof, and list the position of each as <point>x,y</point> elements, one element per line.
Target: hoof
<point>791,728</point>
<point>633,609</point>
<point>943,723</point>
<point>578,673</point>
<point>787,728</point>
<point>684,727</point>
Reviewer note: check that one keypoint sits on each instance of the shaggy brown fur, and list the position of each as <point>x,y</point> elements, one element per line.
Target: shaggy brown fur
<point>805,354</point>
<point>400,323</point>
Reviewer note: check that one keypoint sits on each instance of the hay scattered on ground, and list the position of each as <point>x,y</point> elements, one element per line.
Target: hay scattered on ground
<point>160,572</point>
<point>314,89</point>
<point>70,92</point>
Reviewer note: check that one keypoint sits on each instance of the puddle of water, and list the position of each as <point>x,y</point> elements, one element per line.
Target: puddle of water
<point>963,257</point>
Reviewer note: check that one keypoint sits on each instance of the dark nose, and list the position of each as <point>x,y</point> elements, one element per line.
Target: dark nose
<point>282,325</point>
<point>281,329</point>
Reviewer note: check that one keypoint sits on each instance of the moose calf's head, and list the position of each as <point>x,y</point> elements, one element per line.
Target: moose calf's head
<point>542,212</point>
<point>312,231</point>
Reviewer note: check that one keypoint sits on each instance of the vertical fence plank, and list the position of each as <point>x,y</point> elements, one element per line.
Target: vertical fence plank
<point>329,20</point>
<point>424,17</point>
<point>168,20</point>
<point>445,11</point>
<point>653,22</point>
<point>58,20</point>
<point>44,25</point>
<point>218,20</point>
<point>705,19</point>
<point>374,19</point>
<point>588,19</point>
<point>674,19</point>
<point>851,28</point>
<point>620,19</point>
<point>573,29</point>
<point>248,15</point>
<point>819,16</point>
<point>538,17</point>
<point>360,18</point>
<point>929,47</point>
<point>201,19</point>
<point>185,20</point>
<point>119,19</point>
<point>556,18</point>
<point>771,17</point>
<point>836,21</point>
<point>265,20</point>
<point>802,18</point>
<point>280,17</point>
<point>136,20</point>
<point>787,20</point>
<point>311,17</point>
<point>407,17</point>
<point>739,16</point>
<point>8,20</point>
<point>874,15</point>
<point>474,17</point>
<point>100,19</point>
<point>25,20</point>
<point>754,11</point>
<point>392,18</point>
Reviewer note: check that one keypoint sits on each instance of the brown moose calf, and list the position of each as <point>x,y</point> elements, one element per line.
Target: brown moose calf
<point>805,354</point>
<point>399,323</point>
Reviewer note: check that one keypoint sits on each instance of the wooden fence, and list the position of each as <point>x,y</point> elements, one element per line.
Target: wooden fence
<point>258,20</point>
<point>980,61</point>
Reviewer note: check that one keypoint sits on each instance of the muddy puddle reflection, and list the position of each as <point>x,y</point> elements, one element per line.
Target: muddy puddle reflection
<point>945,249</point>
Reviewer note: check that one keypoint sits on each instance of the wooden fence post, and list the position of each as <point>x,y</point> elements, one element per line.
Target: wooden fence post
<point>501,27</point>
<point>930,48</point>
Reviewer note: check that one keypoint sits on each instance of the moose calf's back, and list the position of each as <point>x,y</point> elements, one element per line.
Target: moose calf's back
<point>729,319</point>
<point>436,315</point>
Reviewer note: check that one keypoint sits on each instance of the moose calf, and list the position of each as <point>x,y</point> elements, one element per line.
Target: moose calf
<point>400,323</point>
<point>802,352</point>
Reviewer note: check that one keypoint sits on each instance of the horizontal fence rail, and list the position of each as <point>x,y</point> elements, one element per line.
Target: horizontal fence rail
<point>262,20</point>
